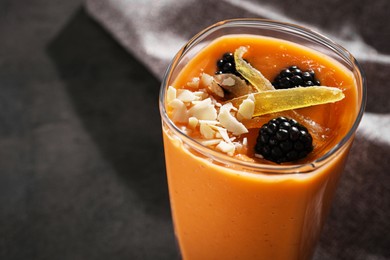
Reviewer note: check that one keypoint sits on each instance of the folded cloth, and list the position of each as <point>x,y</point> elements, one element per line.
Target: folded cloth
<point>358,226</point>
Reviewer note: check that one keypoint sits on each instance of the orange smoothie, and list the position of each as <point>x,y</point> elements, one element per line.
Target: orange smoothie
<point>233,204</point>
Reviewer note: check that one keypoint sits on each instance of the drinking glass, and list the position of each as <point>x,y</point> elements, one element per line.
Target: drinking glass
<point>225,208</point>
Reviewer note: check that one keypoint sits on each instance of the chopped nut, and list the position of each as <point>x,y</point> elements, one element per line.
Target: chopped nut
<point>201,94</point>
<point>186,95</point>
<point>223,132</point>
<point>179,113</point>
<point>206,79</point>
<point>212,85</point>
<point>228,82</point>
<point>210,142</point>
<point>203,110</point>
<point>229,122</point>
<point>234,86</point>
<point>238,146</point>
<point>228,148</point>
<point>192,122</point>
<point>246,109</point>
<point>245,141</point>
<point>194,83</point>
<point>216,89</point>
<point>206,131</point>
<point>209,122</point>
<point>171,94</point>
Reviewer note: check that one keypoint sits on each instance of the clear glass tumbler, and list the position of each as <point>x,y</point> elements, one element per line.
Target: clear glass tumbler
<point>224,208</point>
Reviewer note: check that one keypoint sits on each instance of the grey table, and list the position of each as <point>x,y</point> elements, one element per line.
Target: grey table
<point>76,179</point>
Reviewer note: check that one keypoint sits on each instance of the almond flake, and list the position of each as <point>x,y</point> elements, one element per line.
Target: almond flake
<point>194,83</point>
<point>229,82</point>
<point>171,94</point>
<point>186,96</point>
<point>206,131</point>
<point>210,142</point>
<point>192,122</point>
<point>251,97</point>
<point>245,141</point>
<point>246,109</point>
<point>229,122</point>
<point>223,132</point>
<point>234,85</point>
<point>237,145</point>
<point>203,110</point>
<point>228,148</point>
<point>209,122</point>
<point>206,79</point>
<point>179,113</point>
<point>212,85</point>
<point>200,94</point>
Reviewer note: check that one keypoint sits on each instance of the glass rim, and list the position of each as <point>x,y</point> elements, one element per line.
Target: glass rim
<point>256,166</point>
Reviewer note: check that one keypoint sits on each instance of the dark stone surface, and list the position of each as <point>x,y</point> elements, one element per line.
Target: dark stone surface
<point>82,174</point>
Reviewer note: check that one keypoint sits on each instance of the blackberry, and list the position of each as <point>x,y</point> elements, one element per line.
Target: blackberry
<point>227,64</point>
<point>293,76</point>
<point>283,140</point>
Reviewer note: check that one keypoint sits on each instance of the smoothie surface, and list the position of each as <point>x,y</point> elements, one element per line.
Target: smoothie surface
<point>327,123</point>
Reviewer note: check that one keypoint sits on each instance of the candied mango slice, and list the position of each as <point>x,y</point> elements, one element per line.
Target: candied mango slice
<point>249,73</point>
<point>273,101</point>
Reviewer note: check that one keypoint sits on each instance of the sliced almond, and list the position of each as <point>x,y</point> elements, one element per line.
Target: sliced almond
<point>203,110</point>
<point>206,79</point>
<point>209,122</point>
<point>228,148</point>
<point>186,96</point>
<point>246,109</point>
<point>194,83</point>
<point>206,131</point>
<point>210,142</point>
<point>171,94</point>
<point>192,122</point>
<point>234,85</point>
<point>223,133</point>
<point>229,122</point>
<point>212,85</point>
<point>179,112</point>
